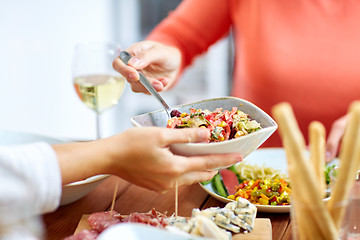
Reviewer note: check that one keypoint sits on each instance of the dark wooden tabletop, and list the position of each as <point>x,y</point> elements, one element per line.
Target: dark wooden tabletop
<point>131,198</point>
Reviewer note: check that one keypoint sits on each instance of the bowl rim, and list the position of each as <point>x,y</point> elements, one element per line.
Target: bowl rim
<point>87,180</point>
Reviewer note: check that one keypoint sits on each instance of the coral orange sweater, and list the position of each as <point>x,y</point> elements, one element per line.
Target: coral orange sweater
<point>306,52</point>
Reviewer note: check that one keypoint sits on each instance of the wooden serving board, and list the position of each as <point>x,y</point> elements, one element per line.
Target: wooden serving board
<point>262,229</point>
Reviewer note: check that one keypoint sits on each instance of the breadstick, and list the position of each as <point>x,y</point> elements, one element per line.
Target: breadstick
<point>349,162</point>
<point>297,209</point>
<point>305,179</point>
<point>317,152</point>
<point>306,227</point>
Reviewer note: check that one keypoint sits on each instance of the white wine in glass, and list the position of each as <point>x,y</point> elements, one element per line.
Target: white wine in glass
<point>99,92</point>
<point>96,83</point>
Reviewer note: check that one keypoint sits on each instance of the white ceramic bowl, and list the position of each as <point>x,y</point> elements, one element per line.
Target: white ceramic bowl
<point>243,145</point>
<point>76,190</point>
<point>70,192</point>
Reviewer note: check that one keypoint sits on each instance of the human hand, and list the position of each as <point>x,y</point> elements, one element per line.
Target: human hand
<point>335,136</point>
<point>158,62</point>
<point>142,156</point>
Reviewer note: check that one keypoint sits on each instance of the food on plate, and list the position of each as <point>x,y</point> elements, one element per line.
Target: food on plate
<point>253,172</point>
<point>264,192</point>
<point>100,221</point>
<point>328,169</point>
<point>230,180</point>
<point>215,222</point>
<point>262,185</point>
<point>153,218</point>
<point>258,184</point>
<point>223,125</point>
<point>84,234</point>
<point>219,223</point>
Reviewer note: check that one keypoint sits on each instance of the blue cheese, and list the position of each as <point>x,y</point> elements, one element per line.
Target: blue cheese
<point>207,228</point>
<point>245,212</point>
<point>224,222</point>
<point>233,217</point>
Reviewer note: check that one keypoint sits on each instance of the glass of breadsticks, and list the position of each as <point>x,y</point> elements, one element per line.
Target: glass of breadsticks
<point>350,227</point>
<point>311,217</point>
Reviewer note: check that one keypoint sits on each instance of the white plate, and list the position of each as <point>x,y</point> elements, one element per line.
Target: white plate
<point>271,157</point>
<point>139,231</point>
<point>70,192</point>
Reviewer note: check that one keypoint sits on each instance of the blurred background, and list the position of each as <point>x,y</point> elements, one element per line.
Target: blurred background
<point>37,43</point>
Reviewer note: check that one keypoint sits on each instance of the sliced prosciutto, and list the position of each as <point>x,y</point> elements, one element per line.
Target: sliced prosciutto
<point>84,235</point>
<point>101,220</point>
<point>152,218</point>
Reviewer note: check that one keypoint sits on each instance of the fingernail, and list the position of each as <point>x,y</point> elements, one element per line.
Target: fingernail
<point>163,81</point>
<point>132,76</point>
<point>135,62</point>
<point>203,133</point>
<point>158,86</point>
<point>237,157</point>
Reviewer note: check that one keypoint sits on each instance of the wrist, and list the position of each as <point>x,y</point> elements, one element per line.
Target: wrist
<point>81,160</point>
<point>113,152</point>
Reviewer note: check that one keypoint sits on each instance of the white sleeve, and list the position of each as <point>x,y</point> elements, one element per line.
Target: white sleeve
<point>30,182</point>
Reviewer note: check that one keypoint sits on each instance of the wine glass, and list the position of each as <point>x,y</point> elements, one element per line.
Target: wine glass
<point>96,83</point>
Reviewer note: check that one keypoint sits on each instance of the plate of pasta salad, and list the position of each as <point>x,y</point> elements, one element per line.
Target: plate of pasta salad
<point>261,178</point>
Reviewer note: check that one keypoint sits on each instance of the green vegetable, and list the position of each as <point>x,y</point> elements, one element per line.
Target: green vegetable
<point>206,182</point>
<point>256,193</point>
<point>232,168</point>
<point>216,132</point>
<point>207,121</point>
<point>218,186</point>
<point>328,168</point>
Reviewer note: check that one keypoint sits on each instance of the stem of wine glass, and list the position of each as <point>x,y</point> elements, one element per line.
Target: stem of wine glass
<point>98,130</point>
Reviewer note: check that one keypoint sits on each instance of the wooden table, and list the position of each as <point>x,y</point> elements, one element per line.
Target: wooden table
<point>131,198</point>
